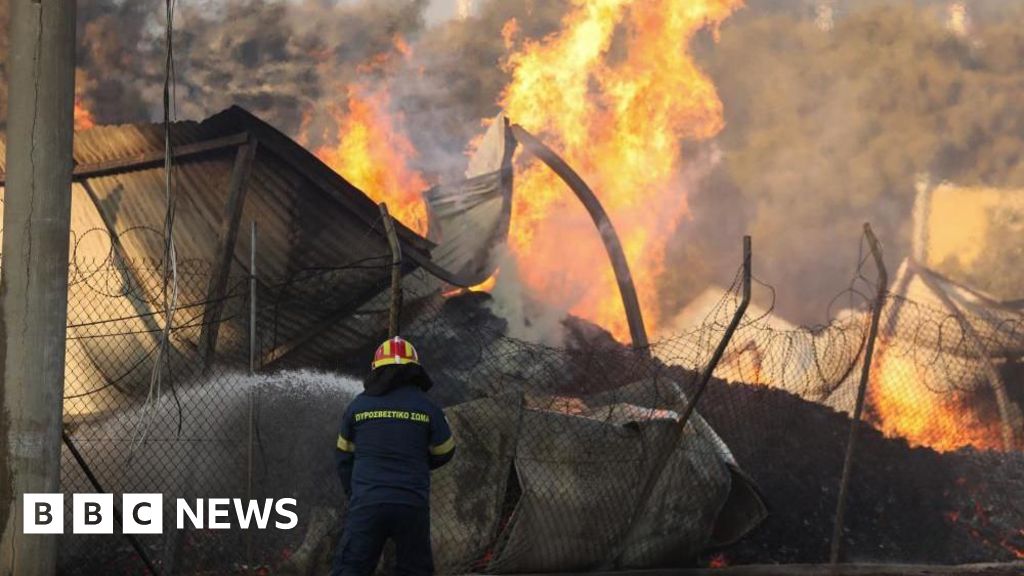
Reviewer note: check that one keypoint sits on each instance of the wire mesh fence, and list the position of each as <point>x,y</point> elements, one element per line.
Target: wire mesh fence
<point>570,457</point>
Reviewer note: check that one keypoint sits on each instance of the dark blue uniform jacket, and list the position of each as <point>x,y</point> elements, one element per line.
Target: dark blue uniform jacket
<point>387,446</point>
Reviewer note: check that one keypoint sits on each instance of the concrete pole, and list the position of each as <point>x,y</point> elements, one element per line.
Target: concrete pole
<point>34,279</point>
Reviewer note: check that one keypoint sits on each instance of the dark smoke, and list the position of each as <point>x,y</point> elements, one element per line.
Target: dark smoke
<point>278,59</point>
<point>455,77</point>
<point>281,61</point>
<point>826,128</point>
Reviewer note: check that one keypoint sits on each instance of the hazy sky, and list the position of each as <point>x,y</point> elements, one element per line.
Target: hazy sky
<point>440,10</point>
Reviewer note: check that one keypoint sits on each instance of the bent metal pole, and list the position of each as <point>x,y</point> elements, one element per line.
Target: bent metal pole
<point>612,245</point>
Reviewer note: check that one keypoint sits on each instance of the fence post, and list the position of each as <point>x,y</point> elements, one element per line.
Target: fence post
<point>691,405</point>
<point>705,376</point>
<point>252,300</point>
<point>252,381</point>
<point>876,313</point>
<point>396,271</point>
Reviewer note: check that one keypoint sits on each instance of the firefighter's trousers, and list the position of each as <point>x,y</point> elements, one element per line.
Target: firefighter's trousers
<point>367,528</point>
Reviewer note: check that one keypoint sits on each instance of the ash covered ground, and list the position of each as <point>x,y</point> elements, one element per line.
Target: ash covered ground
<point>905,504</point>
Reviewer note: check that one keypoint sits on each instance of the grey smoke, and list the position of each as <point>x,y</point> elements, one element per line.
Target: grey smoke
<point>825,129</point>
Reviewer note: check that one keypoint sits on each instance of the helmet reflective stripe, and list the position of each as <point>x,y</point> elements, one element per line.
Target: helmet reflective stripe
<point>395,351</point>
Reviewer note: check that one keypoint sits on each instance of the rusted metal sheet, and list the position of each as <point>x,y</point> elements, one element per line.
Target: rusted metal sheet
<point>320,241</point>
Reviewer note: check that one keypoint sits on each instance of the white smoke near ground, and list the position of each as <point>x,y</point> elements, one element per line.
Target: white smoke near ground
<point>528,319</point>
<point>216,412</point>
<point>275,432</point>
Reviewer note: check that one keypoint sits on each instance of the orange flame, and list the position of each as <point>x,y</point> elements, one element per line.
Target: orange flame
<point>487,285</point>
<point>83,117</point>
<point>373,154</point>
<point>718,561</point>
<point>618,119</point>
<point>619,122</point>
<point>903,407</point>
<point>372,150</point>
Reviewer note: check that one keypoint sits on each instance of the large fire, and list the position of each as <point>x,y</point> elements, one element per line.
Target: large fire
<point>373,154</point>
<point>619,120</point>
<point>903,407</point>
<point>615,91</point>
<point>372,150</point>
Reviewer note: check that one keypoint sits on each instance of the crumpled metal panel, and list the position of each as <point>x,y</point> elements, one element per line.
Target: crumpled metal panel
<point>467,220</point>
<point>308,217</point>
<point>558,485</point>
<point>1000,327</point>
<point>471,217</point>
<point>466,515</point>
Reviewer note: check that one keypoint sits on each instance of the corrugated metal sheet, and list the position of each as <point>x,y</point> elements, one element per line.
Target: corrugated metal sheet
<point>321,251</point>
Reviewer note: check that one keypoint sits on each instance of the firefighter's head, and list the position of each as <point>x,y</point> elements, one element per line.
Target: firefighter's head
<point>395,351</point>
<point>395,363</point>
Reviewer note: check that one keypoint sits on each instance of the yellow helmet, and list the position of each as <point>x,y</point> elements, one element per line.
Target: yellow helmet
<point>395,351</point>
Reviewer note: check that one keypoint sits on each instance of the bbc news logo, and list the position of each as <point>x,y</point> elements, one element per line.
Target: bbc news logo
<point>93,513</point>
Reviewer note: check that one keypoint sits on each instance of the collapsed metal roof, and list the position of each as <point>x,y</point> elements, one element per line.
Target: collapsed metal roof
<point>229,170</point>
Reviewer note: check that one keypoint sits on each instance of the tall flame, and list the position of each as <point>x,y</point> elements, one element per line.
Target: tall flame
<point>373,154</point>
<point>372,150</point>
<point>618,117</point>
<point>618,114</point>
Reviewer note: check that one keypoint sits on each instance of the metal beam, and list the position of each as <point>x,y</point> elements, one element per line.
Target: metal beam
<point>279,352</point>
<point>862,388</point>
<point>151,159</point>
<point>228,236</point>
<point>127,271</point>
<point>395,312</point>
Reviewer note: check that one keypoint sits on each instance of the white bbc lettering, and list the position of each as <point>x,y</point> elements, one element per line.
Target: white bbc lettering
<point>253,510</point>
<point>43,513</point>
<point>142,513</point>
<point>282,510</point>
<point>92,514</point>
<point>218,508</point>
<point>195,516</point>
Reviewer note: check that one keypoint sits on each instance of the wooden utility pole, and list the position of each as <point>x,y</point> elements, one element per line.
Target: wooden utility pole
<point>34,279</point>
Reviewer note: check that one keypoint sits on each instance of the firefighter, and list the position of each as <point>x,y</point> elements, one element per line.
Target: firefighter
<point>391,437</point>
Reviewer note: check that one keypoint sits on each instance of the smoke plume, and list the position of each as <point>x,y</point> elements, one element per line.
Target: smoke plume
<point>829,122</point>
<point>832,107</point>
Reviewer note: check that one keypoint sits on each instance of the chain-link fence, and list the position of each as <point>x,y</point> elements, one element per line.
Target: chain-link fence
<point>569,458</point>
